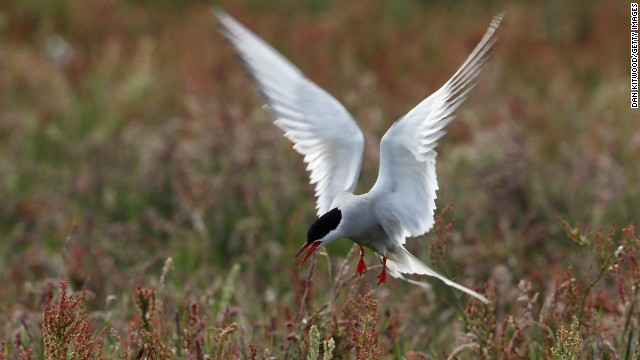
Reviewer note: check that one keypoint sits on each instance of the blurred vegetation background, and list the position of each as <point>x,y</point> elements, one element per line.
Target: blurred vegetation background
<point>129,134</point>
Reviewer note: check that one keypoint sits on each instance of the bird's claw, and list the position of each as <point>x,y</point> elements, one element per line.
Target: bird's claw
<point>361,267</point>
<point>382,278</point>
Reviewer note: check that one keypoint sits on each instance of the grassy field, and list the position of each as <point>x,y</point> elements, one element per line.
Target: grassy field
<point>149,208</point>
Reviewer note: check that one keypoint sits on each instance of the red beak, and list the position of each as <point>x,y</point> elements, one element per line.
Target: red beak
<point>314,245</point>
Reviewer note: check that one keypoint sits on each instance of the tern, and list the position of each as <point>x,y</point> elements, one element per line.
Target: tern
<point>401,203</point>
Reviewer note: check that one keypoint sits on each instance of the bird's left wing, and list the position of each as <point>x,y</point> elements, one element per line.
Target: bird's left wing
<point>319,126</point>
<point>405,191</point>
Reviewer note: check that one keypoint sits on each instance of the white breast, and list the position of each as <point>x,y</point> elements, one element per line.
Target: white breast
<point>360,224</point>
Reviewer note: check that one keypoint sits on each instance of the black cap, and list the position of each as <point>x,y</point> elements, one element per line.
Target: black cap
<point>324,225</point>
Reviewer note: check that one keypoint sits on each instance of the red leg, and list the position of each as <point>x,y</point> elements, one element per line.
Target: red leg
<point>361,266</point>
<point>383,275</point>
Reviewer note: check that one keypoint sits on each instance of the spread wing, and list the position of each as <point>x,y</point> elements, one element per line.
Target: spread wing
<point>405,191</point>
<point>319,126</point>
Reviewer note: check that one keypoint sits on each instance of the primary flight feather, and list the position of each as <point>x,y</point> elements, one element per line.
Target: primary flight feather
<point>401,204</point>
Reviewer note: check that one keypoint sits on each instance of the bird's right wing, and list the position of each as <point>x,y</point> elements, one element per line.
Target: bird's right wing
<point>319,126</point>
<point>407,184</point>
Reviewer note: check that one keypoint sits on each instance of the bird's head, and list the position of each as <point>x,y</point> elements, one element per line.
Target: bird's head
<point>321,232</point>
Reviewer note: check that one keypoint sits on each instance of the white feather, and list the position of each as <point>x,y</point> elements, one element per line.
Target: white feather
<point>319,126</point>
<point>400,261</point>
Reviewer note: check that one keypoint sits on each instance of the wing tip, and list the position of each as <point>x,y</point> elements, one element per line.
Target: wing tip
<point>217,11</point>
<point>221,15</point>
<point>493,32</point>
<point>497,18</point>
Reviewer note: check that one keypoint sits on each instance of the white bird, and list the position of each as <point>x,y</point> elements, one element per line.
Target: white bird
<point>401,204</point>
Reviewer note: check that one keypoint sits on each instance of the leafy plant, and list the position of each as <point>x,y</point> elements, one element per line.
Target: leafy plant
<point>66,329</point>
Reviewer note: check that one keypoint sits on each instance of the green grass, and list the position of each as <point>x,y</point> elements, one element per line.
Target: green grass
<point>129,135</point>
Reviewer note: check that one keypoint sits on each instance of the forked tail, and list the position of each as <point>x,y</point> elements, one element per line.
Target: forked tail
<point>401,261</point>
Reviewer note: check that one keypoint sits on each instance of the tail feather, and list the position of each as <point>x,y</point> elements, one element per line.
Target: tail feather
<point>400,261</point>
